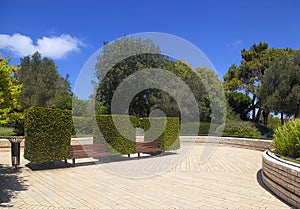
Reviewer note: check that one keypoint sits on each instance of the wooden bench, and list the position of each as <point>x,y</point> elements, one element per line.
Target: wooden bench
<point>88,150</point>
<point>99,150</point>
<point>148,147</point>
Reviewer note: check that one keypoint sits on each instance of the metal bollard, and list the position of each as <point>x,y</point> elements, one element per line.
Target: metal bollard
<point>15,151</point>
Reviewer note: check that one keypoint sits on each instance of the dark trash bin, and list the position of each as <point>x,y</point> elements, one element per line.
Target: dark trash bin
<point>15,151</point>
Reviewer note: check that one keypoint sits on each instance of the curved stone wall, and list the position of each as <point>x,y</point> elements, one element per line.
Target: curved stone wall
<point>247,143</point>
<point>282,178</point>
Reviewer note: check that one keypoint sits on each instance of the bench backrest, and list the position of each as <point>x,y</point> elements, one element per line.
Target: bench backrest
<point>87,150</point>
<point>95,147</point>
<point>144,146</point>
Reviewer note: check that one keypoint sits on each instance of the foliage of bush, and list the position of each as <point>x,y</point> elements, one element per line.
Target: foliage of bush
<point>5,131</point>
<point>109,132</point>
<point>10,90</point>
<point>169,137</point>
<point>188,129</point>
<point>18,125</point>
<point>265,131</point>
<point>47,134</point>
<point>287,139</point>
<point>233,128</point>
<point>241,129</point>
<point>82,126</point>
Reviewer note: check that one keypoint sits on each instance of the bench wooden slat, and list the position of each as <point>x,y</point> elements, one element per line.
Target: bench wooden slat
<point>88,147</point>
<point>99,150</point>
<point>148,147</point>
<point>88,150</point>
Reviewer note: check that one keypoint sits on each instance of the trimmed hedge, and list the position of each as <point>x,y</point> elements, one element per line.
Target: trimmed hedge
<point>106,133</point>
<point>169,138</point>
<point>82,126</point>
<point>118,144</point>
<point>47,134</point>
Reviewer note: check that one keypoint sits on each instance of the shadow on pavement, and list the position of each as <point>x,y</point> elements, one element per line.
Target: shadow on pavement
<point>107,159</point>
<point>47,166</point>
<point>10,184</point>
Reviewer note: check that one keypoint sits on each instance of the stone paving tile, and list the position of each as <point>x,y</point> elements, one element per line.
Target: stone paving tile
<point>227,180</point>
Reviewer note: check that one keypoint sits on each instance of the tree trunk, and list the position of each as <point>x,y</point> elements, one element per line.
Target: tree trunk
<point>281,117</point>
<point>253,108</point>
<point>265,116</point>
<point>258,115</point>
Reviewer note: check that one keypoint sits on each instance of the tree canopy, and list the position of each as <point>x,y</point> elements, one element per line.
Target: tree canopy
<point>128,56</point>
<point>42,84</point>
<point>240,103</point>
<point>280,88</point>
<point>9,91</point>
<point>247,77</point>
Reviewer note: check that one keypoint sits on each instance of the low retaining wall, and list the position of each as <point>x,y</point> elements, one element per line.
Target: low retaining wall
<point>282,177</point>
<point>246,143</point>
<point>4,143</point>
<point>254,144</point>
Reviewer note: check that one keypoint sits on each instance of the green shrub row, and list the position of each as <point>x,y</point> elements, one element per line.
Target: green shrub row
<point>238,129</point>
<point>188,129</point>
<point>82,126</point>
<point>287,139</point>
<point>47,134</point>
<point>241,129</point>
<point>5,131</point>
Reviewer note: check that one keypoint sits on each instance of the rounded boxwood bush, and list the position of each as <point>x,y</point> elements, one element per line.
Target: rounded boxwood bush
<point>287,139</point>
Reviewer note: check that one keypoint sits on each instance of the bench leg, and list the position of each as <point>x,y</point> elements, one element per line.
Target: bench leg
<point>66,161</point>
<point>73,160</point>
<point>128,155</point>
<point>138,155</point>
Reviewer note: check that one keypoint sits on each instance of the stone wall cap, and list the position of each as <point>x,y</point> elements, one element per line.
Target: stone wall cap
<point>270,156</point>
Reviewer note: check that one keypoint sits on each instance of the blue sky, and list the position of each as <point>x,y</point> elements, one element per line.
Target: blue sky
<point>71,31</point>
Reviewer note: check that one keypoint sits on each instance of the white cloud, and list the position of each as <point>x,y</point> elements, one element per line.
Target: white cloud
<point>55,47</point>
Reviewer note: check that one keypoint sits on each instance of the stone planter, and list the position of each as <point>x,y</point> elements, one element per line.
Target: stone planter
<point>282,178</point>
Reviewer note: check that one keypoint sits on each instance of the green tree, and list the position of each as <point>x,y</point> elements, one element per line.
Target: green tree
<point>240,104</point>
<point>116,55</point>
<point>127,56</point>
<point>121,59</point>
<point>211,96</point>
<point>248,76</point>
<point>9,92</point>
<point>280,88</point>
<point>42,84</point>
<point>81,107</point>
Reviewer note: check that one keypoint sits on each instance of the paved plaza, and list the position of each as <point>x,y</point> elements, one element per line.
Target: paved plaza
<point>229,179</point>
